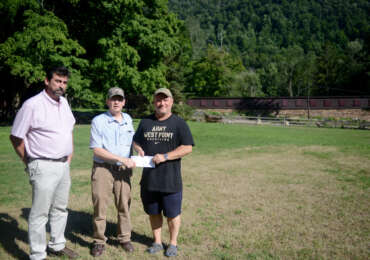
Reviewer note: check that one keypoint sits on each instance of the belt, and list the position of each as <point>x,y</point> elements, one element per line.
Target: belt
<point>62,159</point>
<point>113,167</point>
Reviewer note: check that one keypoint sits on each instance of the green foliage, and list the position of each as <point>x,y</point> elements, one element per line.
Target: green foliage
<point>183,110</point>
<point>213,75</point>
<point>278,39</point>
<point>133,48</point>
<point>340,69</point>
<point>288,64</point>
<point>221,48</point>
<point>247,84</point>
<point>133,54</point>
<point>42,42</point>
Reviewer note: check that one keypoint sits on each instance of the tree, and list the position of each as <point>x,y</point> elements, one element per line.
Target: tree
<point>133,54</point>
<point>132,48</point>
<point>305,80</point>
<point>357,76</point>
<point>197,36</point>
<point>26,55</point>
<point>247,84</point>
<point>213,75</point>
<point>289,61</point>
<point>330,66</point>
<point>264,32</point>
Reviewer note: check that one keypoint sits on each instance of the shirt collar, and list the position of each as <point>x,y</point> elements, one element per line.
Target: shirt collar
<point>111,119</point>
<point>52,101</point>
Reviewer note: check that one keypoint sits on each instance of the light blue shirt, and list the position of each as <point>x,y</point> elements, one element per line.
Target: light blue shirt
<point>111,135</point>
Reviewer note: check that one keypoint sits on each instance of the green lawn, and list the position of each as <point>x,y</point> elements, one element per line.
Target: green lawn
<point>250,192</point>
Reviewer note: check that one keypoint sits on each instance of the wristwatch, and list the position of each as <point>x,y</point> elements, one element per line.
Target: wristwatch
<point>165,156</point>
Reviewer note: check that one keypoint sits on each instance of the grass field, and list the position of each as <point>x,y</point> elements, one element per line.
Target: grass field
<point>250,192</point>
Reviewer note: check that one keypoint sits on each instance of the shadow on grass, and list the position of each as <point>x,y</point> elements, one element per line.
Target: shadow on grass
<point>9,233</point>
<point>80,224</point>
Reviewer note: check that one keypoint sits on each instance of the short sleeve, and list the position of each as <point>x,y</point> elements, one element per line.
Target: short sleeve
<point>96,139</point>
<point>22,121</point>
<point>129,122</point>
<point>137,136</point>
<point>186,138</point>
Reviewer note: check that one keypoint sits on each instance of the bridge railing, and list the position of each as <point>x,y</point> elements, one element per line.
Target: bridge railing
<point>283,121</point>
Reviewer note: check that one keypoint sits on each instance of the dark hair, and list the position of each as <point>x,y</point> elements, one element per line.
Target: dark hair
<point>60,71</point>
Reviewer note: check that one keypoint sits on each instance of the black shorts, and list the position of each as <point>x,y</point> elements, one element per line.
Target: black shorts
<point>155,202</point>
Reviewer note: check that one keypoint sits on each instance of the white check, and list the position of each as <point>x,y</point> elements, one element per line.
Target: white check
<point>143,161</point>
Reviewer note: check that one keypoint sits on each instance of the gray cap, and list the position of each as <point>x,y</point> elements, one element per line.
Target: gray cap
<point>164,91</point>
<point>116,91</point>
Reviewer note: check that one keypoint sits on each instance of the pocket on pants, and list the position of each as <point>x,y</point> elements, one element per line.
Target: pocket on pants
<point>67,166</point>
<point>33,169</point>
<point>93,170</point>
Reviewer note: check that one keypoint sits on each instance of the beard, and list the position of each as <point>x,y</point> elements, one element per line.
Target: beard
<point>161,111</point>
<point>59,92</point>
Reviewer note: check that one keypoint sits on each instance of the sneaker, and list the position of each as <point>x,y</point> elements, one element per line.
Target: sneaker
<point>155,248</point>
<point>171,251</point>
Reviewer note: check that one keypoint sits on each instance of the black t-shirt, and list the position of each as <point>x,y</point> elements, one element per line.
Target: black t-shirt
<point>156,136</point>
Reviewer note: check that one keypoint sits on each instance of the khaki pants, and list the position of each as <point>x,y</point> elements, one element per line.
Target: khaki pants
<point>105,181</point>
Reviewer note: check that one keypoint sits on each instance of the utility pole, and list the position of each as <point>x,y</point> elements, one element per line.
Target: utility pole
<point>308,102</point>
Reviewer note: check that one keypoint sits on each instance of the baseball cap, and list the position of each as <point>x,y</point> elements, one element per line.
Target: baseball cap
<point>116,91</point>
<point>164,91</point>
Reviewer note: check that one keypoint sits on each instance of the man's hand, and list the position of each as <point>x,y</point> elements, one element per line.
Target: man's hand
<point>19,147</point>
<point>141,152</point>
<point>138,149</point>
<point>159,158</point>
<point>129,163</point>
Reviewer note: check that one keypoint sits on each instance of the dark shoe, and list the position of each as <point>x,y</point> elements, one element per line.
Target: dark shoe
<point>128,247</point>
<point>171,251</point>
<point>97,249</point>
<point>64,252</point>
<point>155,248</point>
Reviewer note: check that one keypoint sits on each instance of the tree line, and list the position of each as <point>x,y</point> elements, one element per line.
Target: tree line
<point>194,47</point>
<point>283,47</point>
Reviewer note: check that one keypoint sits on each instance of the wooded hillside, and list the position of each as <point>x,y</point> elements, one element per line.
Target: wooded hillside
<point>196,48</point>
<point>287,47</point>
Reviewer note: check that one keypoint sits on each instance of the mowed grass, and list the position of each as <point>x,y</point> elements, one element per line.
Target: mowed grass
<point>250,192</point>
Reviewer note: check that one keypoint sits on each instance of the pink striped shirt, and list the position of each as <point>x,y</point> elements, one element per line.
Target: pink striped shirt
<point>46,127</point>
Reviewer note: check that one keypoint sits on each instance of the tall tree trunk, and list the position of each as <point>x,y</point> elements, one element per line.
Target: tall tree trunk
<point>290,87</point>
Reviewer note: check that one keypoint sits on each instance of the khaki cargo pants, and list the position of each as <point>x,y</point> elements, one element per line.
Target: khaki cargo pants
<point>105,180</point>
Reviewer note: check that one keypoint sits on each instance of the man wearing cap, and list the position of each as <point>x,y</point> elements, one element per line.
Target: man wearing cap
<point>42,137</point>
<point>167,138</point>
<point>111,140</point>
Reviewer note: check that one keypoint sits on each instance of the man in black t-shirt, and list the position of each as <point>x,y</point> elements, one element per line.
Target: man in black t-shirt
<point>167,138</point>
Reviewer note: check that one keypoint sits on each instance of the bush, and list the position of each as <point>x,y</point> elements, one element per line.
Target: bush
<point>183,110</point>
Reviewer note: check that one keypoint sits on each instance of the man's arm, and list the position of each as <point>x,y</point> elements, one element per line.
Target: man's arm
<point>70,156</point>
<point>20,149</point>
<point>96,143</point>
<point>138,149</point>
<point>179,152</point>
<point>108,156</point>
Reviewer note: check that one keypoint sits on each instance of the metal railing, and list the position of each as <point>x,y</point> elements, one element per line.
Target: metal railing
<point>284,121</point>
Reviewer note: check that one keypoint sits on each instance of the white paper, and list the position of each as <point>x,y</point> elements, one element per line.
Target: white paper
<point>143,161</point>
